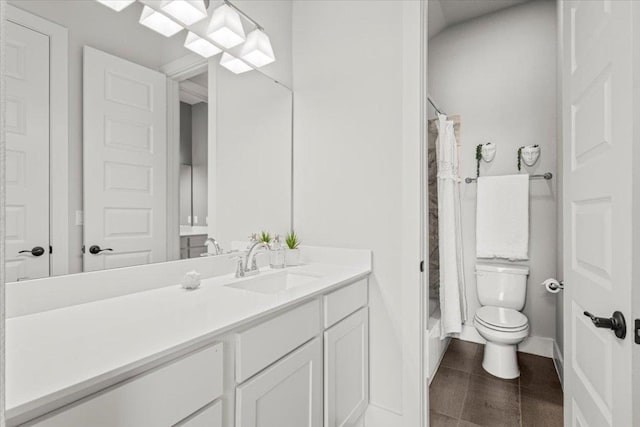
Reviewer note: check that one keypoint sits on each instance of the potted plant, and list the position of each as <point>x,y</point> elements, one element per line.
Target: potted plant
<point>265,237</point>
<point>292,255</point>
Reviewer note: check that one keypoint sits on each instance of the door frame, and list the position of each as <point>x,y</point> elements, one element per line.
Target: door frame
<point>177,72</point>
<point>58,133</point>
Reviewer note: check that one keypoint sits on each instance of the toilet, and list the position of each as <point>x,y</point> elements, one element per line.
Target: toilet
<point>502,290</point>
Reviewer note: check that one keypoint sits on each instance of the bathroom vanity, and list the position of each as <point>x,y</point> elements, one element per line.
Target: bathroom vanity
<point>267,350</point>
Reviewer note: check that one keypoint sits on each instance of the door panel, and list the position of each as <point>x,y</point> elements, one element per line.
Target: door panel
<point>287,394</point>
<point>125,162</point>
<point>346,370</point>
<point>27,154</point>
<point>597,83</point>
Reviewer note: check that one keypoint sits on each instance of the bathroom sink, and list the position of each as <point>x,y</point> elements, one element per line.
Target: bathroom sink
<point>273,283</point>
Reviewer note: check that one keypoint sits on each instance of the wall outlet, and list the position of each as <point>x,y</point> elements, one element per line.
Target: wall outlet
<point>195,219</point>
<point>79,217</point>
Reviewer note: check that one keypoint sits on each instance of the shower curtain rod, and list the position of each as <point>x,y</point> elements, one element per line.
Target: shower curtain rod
<point>435,107</point>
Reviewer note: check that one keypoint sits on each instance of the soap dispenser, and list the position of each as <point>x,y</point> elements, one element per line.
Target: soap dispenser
<point>276,254</point>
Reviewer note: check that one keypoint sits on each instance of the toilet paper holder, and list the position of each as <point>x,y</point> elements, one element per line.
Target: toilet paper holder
<point>554,286</point>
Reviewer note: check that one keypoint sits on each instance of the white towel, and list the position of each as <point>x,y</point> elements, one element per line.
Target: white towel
<point>502,217</point>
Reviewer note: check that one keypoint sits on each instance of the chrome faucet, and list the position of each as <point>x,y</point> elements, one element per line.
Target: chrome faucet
<point>217,250</point>
<point>250,266</point>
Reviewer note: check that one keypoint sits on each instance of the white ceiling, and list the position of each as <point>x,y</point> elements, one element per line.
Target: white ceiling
<point>445,13</point>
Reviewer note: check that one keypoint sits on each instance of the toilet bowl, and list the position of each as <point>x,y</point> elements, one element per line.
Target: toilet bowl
<point>502,293</point>
<point>503,329</point>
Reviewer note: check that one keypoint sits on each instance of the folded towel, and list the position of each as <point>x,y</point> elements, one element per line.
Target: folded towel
<point>502,217</point>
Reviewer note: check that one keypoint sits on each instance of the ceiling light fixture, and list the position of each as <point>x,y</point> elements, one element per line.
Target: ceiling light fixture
<point>116,5</point>
<point>233,64</point>
<point>225,27</point>
<point>257,50</point>
<point>201,46</point>
<point>159,22</point>
<point>186,11</point>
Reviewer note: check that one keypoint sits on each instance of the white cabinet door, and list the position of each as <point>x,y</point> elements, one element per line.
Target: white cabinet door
<point>27,162</point>
<point>125,162</point>
<point>287,394</point>
<point>346,370</point>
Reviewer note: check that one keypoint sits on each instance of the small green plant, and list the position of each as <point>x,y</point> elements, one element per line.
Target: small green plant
<point>265,237</point>
<point>292,240</point>
<point>478,158</point>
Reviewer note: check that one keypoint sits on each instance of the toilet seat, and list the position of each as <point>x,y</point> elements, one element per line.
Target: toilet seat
<point>501,319</point>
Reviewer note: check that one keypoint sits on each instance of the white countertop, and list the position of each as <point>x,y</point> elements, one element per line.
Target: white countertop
<point>55,355</point>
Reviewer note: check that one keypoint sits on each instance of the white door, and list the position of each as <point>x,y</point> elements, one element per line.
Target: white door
<point>598,137</point>
<point>27,153</point>
<point>287,394</point>
<point>346,370</point>
<point>125,163</point>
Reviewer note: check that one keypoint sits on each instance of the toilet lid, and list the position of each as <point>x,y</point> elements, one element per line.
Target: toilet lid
<point>502,318</point>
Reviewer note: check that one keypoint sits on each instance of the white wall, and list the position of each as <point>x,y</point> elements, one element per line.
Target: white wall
<point>252,173</point>
<point>498,72</point>
<point>348,131</point>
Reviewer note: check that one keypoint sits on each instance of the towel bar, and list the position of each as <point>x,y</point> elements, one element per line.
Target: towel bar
<point>547,175</point>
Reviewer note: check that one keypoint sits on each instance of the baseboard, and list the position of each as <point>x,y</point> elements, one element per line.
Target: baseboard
<point>376,416</point>
<point>541,346</point>
<point>558,361</point>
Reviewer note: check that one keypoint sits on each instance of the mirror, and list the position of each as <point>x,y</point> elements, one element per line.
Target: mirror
<point>125,148</point>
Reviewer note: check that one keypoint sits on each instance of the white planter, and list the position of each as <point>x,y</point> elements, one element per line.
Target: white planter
<point>292,257</point>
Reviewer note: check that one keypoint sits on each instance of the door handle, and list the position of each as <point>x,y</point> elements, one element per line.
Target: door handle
<point>616,323</point>
<point>95,249</point>
<point>36,251</point>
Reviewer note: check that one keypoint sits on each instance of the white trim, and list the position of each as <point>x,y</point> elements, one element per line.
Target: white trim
<point>185,67</point>
<point>541,346</point>
<point>58,134</point>
<point>558,362</point>
<point>212,133</point>
<point>193,93</point>
<point>173,169</point>
<point>377,416</point>
<point>3,300</point>
<point>413,233</point>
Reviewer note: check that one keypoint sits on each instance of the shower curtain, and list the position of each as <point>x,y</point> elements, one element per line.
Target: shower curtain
<point>453,302</point>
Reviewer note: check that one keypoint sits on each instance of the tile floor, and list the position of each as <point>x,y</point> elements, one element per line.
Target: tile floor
<point>462,394</point>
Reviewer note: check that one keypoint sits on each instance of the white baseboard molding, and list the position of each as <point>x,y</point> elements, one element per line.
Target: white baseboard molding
<point>376,416</point>
<point>558,361</point>
<point>541,346</point>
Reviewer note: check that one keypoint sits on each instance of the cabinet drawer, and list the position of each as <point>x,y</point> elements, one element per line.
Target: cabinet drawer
<point>159,398</point>
<point>211,416</point>
<point>341,303</point>
<point>263,344</point>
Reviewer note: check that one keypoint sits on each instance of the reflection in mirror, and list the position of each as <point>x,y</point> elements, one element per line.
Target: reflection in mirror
<point>139,169</point>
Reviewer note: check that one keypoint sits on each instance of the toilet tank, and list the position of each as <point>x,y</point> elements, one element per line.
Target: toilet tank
<point>502,285</point>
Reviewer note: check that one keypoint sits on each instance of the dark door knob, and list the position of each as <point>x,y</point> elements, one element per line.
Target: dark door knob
<point>95,249</point>
<point>36,251</point>
<point>616,323</point>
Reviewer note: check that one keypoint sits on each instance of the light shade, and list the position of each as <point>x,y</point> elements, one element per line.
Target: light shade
<point>158,22</point>
<point>201,46</point>
<point>225,27</point>
<point>186,11</point>
<point>233,64</point>
<point>116,5</point>
<point>257,50</point>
